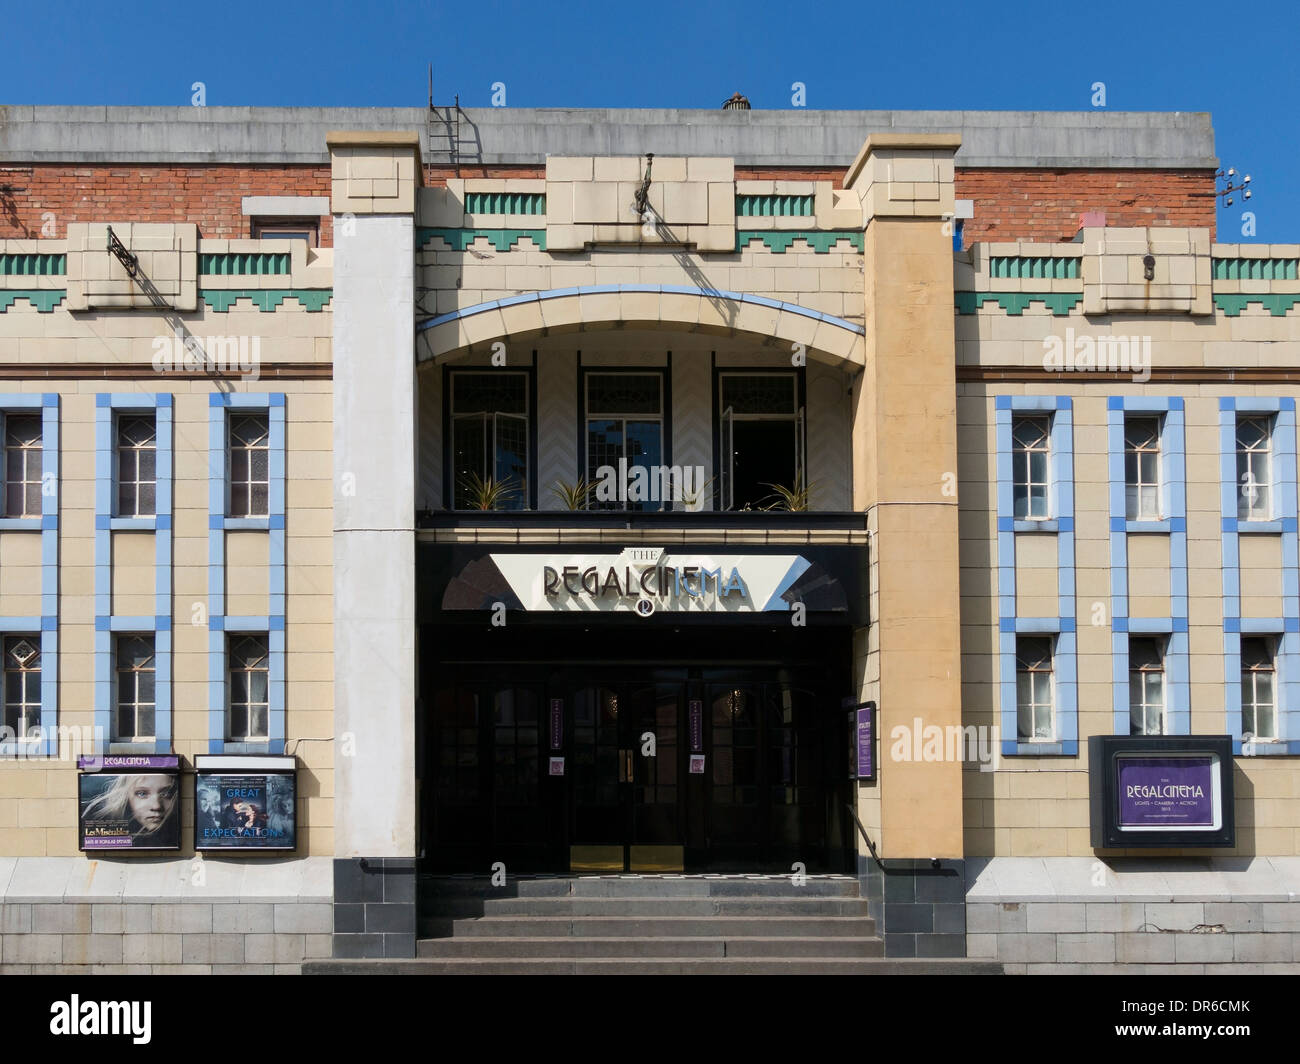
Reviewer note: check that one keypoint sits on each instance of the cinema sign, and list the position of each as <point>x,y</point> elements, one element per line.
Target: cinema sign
<point>644,581</point>
<point>648,579</point>
<point>1161,790</point>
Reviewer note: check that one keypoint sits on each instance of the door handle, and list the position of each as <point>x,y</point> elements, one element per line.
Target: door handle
<point>625,766</point>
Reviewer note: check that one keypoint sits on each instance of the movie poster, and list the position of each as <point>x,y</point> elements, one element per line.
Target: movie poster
<point>244,811</point>
<point>130,803</point>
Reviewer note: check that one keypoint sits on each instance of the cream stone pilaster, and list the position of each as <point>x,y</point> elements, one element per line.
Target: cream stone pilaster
<point>905,478</point>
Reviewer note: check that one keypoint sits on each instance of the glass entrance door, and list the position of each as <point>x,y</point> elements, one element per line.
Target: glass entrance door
<point>487,798</point>
<point>626,765</point>
<point>775,765</point>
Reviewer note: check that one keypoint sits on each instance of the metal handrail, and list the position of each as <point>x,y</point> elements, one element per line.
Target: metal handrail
<point>936,867</point>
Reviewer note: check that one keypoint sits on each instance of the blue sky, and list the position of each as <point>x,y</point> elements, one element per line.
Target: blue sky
<point>1238,62</point>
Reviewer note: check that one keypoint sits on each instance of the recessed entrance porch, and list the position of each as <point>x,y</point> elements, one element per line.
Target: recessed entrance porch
<point>572,748</point>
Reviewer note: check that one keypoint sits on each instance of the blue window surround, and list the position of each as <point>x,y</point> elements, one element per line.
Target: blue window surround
<point>47,624</point>
<point>159,625</point>
<point>1062,626</point>
<point>1287,627</point>
<point>1173,505</point>
<point>219,405</point>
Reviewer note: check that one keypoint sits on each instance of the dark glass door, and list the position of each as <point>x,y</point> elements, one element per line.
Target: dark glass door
<point>488,797</point>
<point>775,767</point>
<point>625,765</point>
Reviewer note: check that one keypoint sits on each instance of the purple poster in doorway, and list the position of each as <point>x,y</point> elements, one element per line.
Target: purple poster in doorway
<point>557,725</point>
<point>866,742</point>
<point>1166,791</point>
<point>695,719</point>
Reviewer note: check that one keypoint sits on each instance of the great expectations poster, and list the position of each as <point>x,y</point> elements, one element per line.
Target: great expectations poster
<point>244,811</point>
<point>130,803</point>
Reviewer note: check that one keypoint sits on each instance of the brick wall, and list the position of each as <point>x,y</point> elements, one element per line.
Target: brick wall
<point>1045,205</point>
<point>1042,205</point>
<point>833,174</point>
<point>208,195</point>
<point>436,176</point>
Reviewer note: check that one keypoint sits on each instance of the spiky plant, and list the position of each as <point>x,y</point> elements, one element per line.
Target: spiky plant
<point>487,494</point>
<point>573,496</point>
<point>693,499</point>
<point>796,499</point>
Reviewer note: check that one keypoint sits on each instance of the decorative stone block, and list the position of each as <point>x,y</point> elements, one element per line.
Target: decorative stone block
<point>1114,270</point>
<point>165,266</point>
<point>904,175</point>
<point>374,172</point>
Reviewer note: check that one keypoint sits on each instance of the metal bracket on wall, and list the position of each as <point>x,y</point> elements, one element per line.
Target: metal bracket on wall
<point>116,248</point>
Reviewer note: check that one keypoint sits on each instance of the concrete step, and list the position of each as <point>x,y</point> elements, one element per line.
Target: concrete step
<point>462,908</point>
<point>664,926</point>
<point>644,925</point>
<point>666,946</point>
<point>654,966</point>
<point>431,887</point>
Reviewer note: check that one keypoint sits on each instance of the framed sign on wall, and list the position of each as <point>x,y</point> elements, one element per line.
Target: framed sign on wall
<point>1161,790</point>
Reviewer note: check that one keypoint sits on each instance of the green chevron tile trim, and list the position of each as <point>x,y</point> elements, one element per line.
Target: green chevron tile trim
<point>1059,267</point>
<point>33,265</point>
<point>1256,269</point>
<point>266,299</point>
<point>43,299</point>
<point>501,239</point>
<point>505,203</point>
<point>778,241</point>
<point>774,206</point>
<point>1276,303</point>
<point>1014,303</point>
<point>259,263</point>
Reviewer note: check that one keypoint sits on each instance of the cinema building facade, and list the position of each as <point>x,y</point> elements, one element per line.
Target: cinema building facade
<point>894,507</point>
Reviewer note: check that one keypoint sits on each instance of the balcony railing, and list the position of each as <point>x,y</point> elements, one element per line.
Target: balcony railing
<point>674,520</point>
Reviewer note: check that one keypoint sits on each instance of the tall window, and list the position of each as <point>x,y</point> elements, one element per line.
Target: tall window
<point>137,451</point>
<point>1258,689</point>
<point>1034,695</point>
<point>489,440</point>
<point>1142,468</point>
<point>625,423</point>
<point>1030,448</point>
<point>22,497</point>
<point>250,465</point>
<point>761,439</point>
<point>1146,687</point>
<point>1254,439</point>
<point>248,676</point>
<point>136,701</point>
<point>22,680</point>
